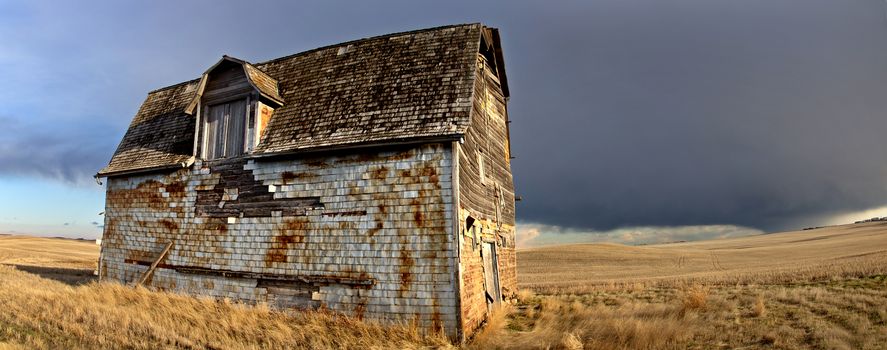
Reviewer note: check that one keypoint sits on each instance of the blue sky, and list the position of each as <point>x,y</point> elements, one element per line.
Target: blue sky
<point>633,120</point>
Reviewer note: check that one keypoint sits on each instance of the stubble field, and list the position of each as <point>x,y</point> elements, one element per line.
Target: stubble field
<point>824,288</point>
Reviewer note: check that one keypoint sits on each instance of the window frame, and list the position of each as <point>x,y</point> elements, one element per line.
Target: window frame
<point>481,164</point>
<point>249,126</point>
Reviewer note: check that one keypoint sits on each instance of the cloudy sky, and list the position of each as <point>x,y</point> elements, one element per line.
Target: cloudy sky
<point>633,121</point>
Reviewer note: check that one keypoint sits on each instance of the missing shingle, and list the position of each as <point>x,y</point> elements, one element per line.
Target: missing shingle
<point>345,49</point>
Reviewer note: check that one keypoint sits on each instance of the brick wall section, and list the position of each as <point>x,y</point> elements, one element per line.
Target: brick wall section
<point>368,234</point>
<point>487,136</point>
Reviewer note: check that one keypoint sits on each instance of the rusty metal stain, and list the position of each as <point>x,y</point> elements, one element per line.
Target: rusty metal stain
<point>290,234</point>
<point>368,157</point>
<point>360,309</point>
<point>376,229</point>
<point>436,322</point>
<point>170,225</point>
<point>380,173</point>
<point>289,177</point>
<point>345,213</point>
<point>405,269</point>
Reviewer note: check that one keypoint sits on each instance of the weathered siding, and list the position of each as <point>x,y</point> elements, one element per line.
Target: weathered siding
<point>227,81</point>
<point>489,200</point>
<point>368,234</point>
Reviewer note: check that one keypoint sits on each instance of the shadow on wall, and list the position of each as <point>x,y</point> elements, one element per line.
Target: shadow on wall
<point>73,277</point>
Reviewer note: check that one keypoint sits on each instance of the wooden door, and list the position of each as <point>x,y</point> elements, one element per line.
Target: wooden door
<point>491,273</point>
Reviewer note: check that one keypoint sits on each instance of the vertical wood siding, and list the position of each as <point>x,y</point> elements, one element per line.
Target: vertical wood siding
<point>487,196</point>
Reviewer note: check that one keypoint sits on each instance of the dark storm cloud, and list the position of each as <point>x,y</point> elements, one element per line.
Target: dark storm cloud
<point>64,151</point>
<point>758,113</point>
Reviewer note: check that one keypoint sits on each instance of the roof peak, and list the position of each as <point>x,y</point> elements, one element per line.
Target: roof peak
<point>350,42</point>
<point>409,32</point>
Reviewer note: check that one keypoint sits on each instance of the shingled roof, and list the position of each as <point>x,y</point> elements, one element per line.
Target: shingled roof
<point>388,88</point>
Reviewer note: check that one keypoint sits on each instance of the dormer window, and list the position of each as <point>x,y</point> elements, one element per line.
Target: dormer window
<point>226,130</point>
<point>236,101</point>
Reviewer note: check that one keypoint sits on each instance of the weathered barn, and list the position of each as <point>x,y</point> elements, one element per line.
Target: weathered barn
<point>370,177</point>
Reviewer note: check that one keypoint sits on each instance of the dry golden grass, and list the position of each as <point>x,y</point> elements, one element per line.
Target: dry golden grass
<point>821,289</point>
<point>39,309</point>
<point>46,314</point>
<point>846,314</point>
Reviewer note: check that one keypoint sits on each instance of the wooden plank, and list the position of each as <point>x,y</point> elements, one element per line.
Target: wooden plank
<point>154,265</point>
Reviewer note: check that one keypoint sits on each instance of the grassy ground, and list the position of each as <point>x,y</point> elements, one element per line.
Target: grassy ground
<point>49,300</point>
<point>821,289</point>
<point>839,314</point>
<point>46,314</point>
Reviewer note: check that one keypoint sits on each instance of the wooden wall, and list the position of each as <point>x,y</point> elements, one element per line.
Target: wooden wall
<point>488,200</point>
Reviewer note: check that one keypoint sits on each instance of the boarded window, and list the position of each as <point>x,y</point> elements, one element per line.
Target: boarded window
<point>225,130</point>
<point>481,167</point>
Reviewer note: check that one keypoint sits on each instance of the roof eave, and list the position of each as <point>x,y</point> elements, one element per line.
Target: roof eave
<point>176,166</point>
<point>351,146</point>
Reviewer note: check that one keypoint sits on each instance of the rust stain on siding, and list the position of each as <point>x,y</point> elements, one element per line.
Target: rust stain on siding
<point>375,158</point>
<point>375,230</point>
<point>418,217</point>
<point>176,190</point>
<point>140,255</point>
<point>145,194</point>
<point>436,322</point>
<point>380,174</point>
<point>110,229</point>
<point>170,225</point>
<point>360,308</point>
<point>290,177</point>
<point>316,163</point>
<point>406,267</point>
<point>290,234</point>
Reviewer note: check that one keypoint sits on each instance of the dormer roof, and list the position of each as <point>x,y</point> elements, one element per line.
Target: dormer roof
<point>266,86</point>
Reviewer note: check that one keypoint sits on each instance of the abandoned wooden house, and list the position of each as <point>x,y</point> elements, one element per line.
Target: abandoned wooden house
<point>370,177</point>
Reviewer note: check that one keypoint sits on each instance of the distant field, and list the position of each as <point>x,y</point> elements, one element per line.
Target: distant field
<point>67,260</point>
<point>817,289</point>
<point>48,252</point>
<point>832,252</point>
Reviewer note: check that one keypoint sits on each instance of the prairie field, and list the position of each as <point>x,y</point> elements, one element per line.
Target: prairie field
<point>820,289</point>
<point>787,257</point>
<point>816,289</point>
